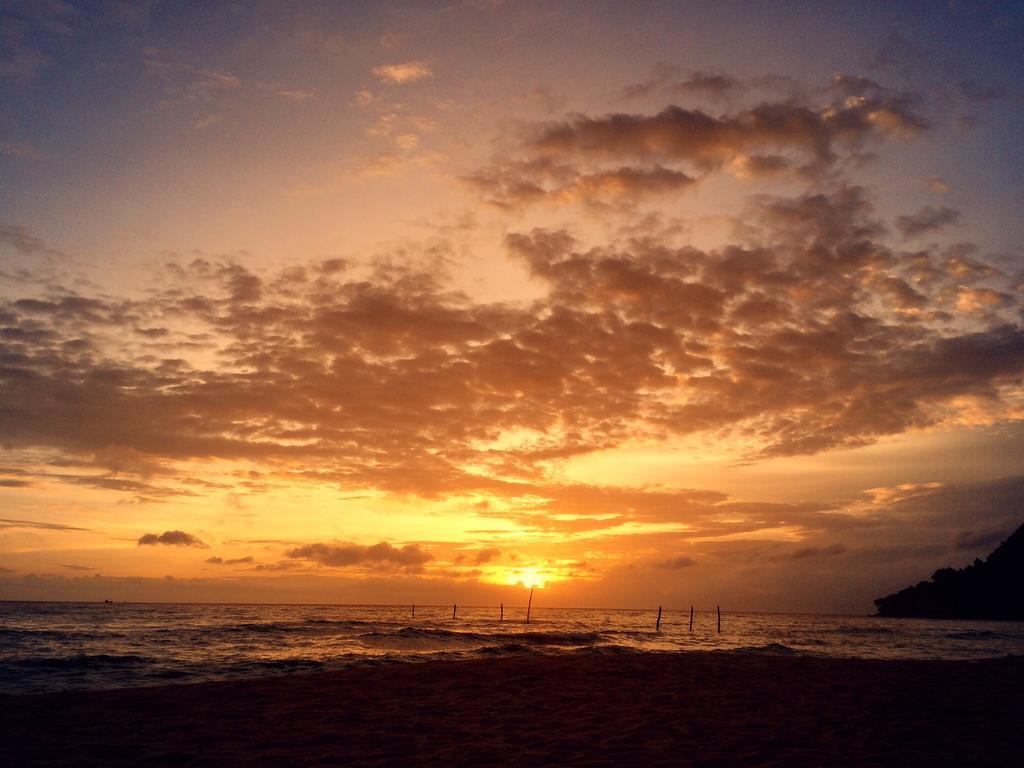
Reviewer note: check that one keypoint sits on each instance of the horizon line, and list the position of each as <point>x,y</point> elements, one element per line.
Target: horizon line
<point>430,605</point>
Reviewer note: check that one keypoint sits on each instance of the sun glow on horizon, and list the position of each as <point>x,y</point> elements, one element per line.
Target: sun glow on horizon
<point>529,577</point>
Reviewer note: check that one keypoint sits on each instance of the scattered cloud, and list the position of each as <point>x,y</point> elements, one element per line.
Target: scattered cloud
<point>627,156</point>
<point>26,31</point>
<point>601,189</point>
<point>410,556</point>
<point>928,219</point>
<point>172,538</point>
<point>710,141</point>
<point>486,555</point>
<point>407,72</point>
<point>677,563</point>
<point>297,95</point>
<point>812,333</point>
<point>23,242</point>
<point>830,551</point>
<point>667,80</point>
<point>6,522</point>
<point>979,541</point>
<point>186,83</point>
<point>407,141</point>
<point>18,149</point>
<point>545,100</point>
<point>248,560</point>
<point>283,565</point>
<point>207,121</point>
<point>382,164</point>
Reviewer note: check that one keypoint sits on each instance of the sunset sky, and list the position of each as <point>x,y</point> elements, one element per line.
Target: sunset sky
<point>646,303</point>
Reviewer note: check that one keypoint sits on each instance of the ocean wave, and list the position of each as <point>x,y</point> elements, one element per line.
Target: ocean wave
<point>80,661</point>
<point>55,634</point>
<point>846,629</point>
<point>420,633</point>
<point>257,627</point>
<point>307,626</point>
<point>975,634</point>
<point>559,638</point>
<point>449,636</point>
<point>770,649</point>
<point>278,665</point>
<point>608,649</point>
<point>339,622</point>
<point>507,649</point>
<point>640,635</point>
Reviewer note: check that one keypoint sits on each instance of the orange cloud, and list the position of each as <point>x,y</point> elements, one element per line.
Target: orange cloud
<point>406,72</point>
<point>624,157</point>
<point>814,335</point>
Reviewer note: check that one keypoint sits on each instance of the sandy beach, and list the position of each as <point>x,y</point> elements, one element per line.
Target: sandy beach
<point>582,710</point>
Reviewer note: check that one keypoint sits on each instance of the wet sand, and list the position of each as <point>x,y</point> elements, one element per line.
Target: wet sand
<point>708,709</point>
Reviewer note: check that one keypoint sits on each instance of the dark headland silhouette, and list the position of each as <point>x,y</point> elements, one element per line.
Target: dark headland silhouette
<point>989,589</point>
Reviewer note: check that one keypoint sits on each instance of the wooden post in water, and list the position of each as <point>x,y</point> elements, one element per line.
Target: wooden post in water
<point>691,618</point>
<point>719,619</point>
<point>657,624</point>
<point>529,605</point>
<point>501,611</point>
<point>454,606</point>
<point>414,610</point>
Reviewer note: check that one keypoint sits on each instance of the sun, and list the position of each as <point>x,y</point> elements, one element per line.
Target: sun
<point>528,577</point>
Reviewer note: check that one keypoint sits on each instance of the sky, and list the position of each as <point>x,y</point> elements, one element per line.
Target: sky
<point>640,304</point>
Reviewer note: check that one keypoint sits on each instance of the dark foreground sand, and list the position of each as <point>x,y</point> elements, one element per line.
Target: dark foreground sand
<point>585,710</point>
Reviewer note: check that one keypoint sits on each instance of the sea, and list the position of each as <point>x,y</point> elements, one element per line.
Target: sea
<point>74,646</point>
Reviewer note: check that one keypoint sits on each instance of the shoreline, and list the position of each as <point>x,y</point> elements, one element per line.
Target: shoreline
<point>592,709</point>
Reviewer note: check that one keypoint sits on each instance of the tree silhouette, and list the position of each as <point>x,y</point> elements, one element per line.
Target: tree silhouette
<point>989,589</point>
